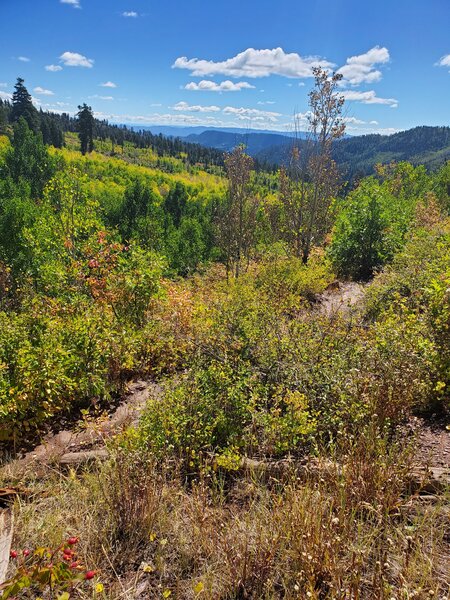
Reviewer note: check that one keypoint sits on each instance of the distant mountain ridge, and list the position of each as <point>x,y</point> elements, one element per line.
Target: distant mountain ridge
<point>426,145</point>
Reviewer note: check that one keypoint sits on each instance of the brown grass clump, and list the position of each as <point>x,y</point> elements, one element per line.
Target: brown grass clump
<point>346,531</point>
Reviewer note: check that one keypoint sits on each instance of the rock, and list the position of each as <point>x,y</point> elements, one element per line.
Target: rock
<point>430,480</point>
<point>6,534</point>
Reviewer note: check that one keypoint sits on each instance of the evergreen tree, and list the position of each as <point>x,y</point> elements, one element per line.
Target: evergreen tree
<point>175,202</point>
<point>22,106</point>
<point>28,161</point>
<point>56,134</point>
<point>3,118</point>
<point>86,124</point>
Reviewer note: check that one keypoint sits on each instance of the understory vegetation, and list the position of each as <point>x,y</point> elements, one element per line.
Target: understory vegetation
<point>274,463</point>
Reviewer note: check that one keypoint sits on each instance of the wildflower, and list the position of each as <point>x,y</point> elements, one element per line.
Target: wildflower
<point>72,541</point>
<point>199,587</point>
<point>89,575</point>
<point>13,554</point>
<point>26,552</point>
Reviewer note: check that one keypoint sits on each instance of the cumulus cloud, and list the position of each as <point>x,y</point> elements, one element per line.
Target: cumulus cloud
<point>368,97</point>
<point>23,58</point>
<point>223,86</point>
<point>43,92</point>
<point>257,121</point>
<point>53,68</point>
<point>161,119</point>
<point>130,14</point>
<point>74,3</point>
<point>108,84</point>
<point>362,68</point>
<point>252,114</point>
<point>5,95</point>
<point>353,121</point>
<point>74,59</point>
<point>254,63</point>
<point>444,61</point>
<point>184,106</point>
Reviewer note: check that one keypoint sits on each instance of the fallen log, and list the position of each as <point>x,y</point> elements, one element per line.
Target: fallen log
<point>82,457</point>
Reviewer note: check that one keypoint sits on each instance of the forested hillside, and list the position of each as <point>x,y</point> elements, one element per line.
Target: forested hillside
<point>355,155</point>
<point>53,126</point>
<point>276,456</point>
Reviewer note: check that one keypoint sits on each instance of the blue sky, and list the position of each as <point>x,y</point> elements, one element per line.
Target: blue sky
<point>240,63</point>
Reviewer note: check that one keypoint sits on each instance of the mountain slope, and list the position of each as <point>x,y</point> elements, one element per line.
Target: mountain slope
<point>422,145</point>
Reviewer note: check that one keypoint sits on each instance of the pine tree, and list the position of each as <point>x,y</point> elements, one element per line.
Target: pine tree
<point>86,124</point>
<point>28,159</point>
<point>22,106</point>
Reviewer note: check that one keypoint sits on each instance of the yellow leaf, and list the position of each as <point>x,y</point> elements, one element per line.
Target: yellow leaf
<point>99,588</point>
<point>199,587</point>
<point>167,593</point>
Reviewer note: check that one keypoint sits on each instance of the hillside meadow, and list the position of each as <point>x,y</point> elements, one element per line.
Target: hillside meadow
<point>278,459</point>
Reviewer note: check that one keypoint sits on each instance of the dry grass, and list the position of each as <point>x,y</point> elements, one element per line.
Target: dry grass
<point>344,533</point>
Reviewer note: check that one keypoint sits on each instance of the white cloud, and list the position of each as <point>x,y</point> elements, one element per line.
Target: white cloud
<point>53,68</point>
<point>162,119</point>
<point>223,86</point>
<point>373,122</point>
<point>253,114</point>
<point>73,59</point>
<point>255,121</point>
<point>184,106</point>
<point>261,103</point>
<point>43,92</point>
<point>97,97</point>
<point>255,63</point>
<point>386,130</point>
<point>108,84</point>
<point>74,3</point>
<point>353,121</point>
<point>57,107</point>
<point>23,58</point>
<point>5,95</point>
<point>368,97</point>
<point>361,68</point>
<point>130,14</point>
<point>302,118</point>
<point>444,61</point>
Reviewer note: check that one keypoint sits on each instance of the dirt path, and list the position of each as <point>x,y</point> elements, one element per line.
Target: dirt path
<point>340,297</point>
<point>85,443</point>
<point>80,445</point>
<point>433,446</point>
<point>432,451</point>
